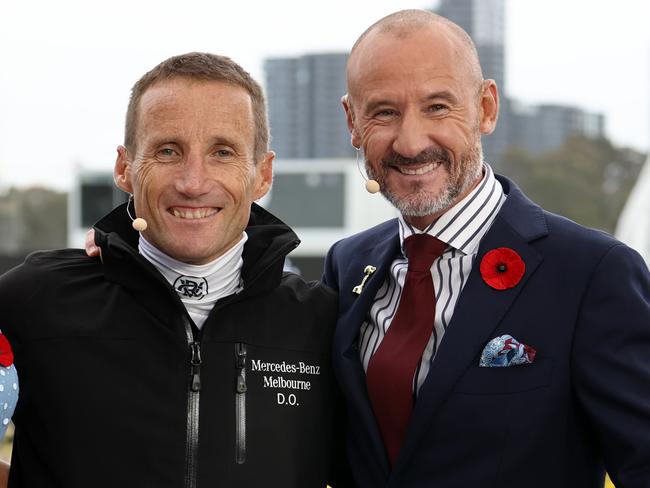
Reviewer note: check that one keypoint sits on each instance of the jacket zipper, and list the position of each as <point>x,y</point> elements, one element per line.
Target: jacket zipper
<point>192,437</point>
<point>240,403</point>
<point>191,456</point>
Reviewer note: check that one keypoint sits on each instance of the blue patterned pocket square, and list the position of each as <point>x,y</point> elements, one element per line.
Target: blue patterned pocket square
<point>504,351</point>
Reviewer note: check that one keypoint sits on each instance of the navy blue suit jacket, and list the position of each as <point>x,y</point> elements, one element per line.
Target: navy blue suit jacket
<point>582,407</point>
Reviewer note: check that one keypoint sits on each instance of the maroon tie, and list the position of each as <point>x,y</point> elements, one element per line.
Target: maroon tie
<point>392,368</point>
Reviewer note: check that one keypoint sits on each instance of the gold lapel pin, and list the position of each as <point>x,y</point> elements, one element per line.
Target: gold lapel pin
<point>367,272</point>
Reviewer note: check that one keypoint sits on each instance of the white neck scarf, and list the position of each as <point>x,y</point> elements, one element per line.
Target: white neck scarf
<point>199,286</point>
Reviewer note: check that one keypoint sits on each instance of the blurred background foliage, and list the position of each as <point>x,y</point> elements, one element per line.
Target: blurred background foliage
<point>586,180</point>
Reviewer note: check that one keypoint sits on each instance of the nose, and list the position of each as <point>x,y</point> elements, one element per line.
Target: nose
<point>412,135</point>
<point>192,180</point>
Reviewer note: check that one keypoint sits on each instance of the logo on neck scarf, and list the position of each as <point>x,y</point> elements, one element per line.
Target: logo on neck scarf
<point>191,287</point>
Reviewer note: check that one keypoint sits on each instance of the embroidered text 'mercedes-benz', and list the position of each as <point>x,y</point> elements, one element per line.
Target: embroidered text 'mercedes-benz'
<point>285,367</point>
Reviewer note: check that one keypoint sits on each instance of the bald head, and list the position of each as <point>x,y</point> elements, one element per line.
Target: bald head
<point>406,23</point>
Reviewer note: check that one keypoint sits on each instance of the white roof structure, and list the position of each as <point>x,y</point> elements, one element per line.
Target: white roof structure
<point>633,226</point>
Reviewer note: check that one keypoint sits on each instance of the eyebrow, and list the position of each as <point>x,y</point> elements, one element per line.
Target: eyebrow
<point>445,95</point>
<point>159,141</point>
<point>216,141</point>
<point>442,95</point>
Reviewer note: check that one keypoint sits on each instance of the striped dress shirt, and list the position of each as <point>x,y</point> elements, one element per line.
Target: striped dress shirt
<point>462,227</point>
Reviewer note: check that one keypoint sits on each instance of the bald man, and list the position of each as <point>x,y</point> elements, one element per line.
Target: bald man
<point>481,341</point>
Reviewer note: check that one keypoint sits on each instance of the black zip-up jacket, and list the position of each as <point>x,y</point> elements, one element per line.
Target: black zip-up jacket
<point>120,389</point>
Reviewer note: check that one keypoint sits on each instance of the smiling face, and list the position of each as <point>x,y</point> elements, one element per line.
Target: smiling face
<point>193,173</point>
<point>417,107</point>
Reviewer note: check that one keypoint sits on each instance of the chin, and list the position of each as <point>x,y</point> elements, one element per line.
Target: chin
<point>417,200</point>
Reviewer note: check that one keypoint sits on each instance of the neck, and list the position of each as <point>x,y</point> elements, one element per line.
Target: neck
<point>422,223</point>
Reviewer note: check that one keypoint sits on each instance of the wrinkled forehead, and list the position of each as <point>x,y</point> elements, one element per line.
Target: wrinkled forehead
<point>188,94</point>
<point>179,105</point>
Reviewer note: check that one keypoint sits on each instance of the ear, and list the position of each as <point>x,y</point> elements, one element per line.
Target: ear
<point>264,175</point>
<point>122,171</point>
<point>489,107</point>
<point>355,140</point>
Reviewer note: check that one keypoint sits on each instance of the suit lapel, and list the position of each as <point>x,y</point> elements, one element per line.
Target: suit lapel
<point>351,375</point>
<point>478,312</point>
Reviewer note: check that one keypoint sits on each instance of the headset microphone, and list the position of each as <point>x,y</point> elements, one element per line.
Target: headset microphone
<point>138,224</point>
<point>372,186</point>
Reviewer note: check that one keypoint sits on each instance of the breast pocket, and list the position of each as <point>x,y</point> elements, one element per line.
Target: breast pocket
<point>506,380</point>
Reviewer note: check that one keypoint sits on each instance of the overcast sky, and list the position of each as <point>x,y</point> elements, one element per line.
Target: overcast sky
<point>68,65</point>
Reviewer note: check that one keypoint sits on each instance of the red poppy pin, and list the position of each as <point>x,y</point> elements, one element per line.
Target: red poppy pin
<point>502,268</point>
<point>6,354</point>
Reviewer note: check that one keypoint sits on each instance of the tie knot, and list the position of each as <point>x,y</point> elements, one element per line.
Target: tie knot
<point>422,250</point>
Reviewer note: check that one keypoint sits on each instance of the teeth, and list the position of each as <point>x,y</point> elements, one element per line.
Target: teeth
<point>418,171</point>
<point>197,213</point>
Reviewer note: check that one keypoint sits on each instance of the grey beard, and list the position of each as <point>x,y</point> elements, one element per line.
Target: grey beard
<point>420,203</point>
<point>423,205</point>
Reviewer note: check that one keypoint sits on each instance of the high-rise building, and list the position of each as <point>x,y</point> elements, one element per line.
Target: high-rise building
<point>305,112</point>
<point>539,128</point>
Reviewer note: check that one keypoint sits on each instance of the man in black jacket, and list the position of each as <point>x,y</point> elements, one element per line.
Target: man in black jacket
<point>185,357</point>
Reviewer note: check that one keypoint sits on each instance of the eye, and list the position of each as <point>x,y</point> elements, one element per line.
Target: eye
<point>437,108</point>
<point>167,154</point>
<point>385,114</point>
<point>224,153</point>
